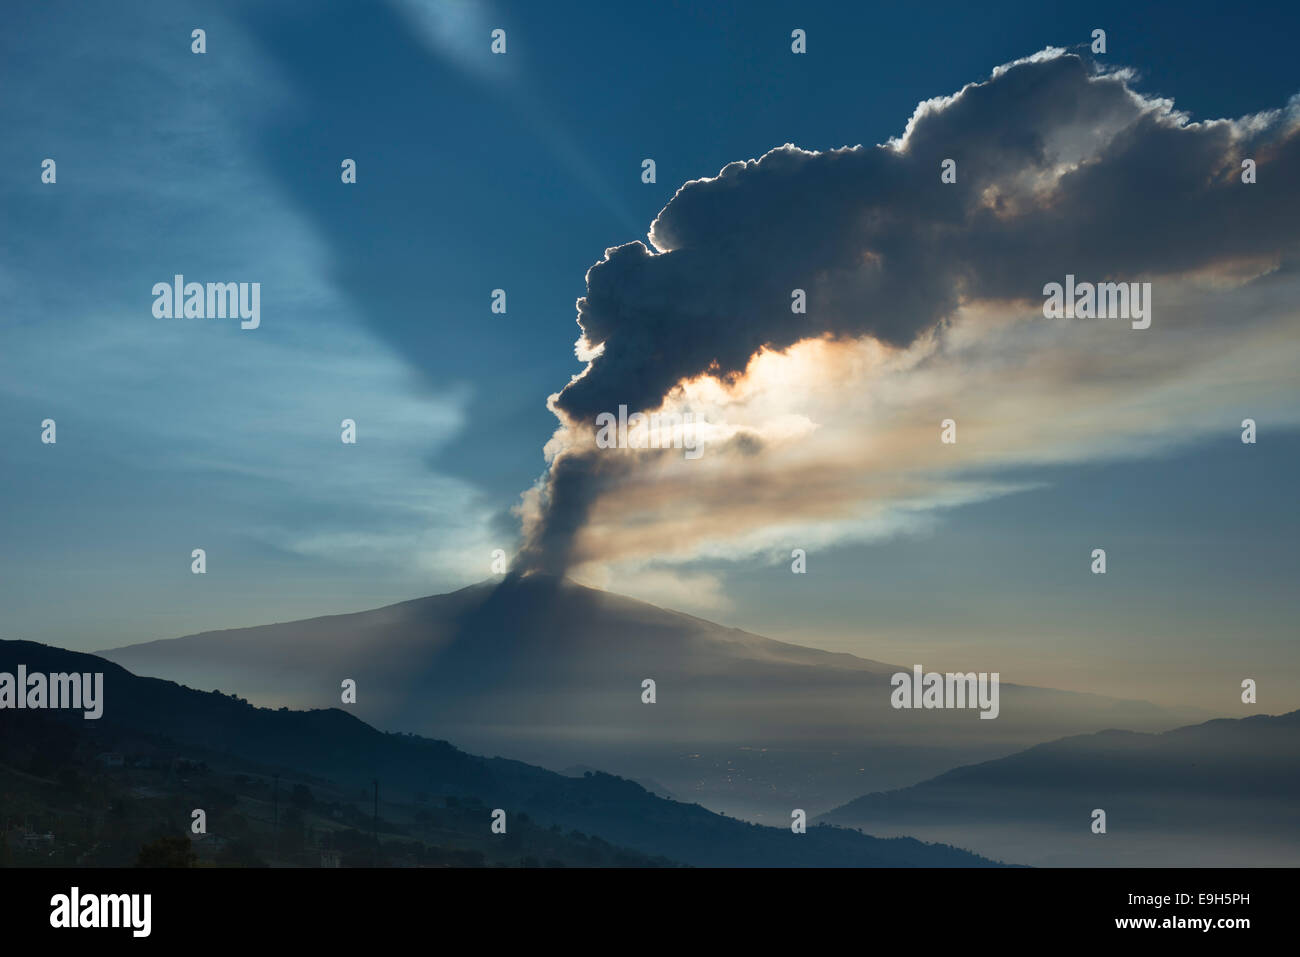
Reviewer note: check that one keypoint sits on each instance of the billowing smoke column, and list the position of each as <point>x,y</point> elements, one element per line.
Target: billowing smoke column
<point>1060,168</point>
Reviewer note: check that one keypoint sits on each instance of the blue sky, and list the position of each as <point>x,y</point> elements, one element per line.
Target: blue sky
<point>477,172</point>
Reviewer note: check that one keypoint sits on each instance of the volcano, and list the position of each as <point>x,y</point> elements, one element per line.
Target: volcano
<point>548,671</point>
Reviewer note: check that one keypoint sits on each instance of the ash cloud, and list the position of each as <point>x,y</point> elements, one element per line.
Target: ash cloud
<point>1061,168</point>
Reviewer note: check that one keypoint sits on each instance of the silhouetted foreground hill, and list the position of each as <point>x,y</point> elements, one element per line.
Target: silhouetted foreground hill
<point>1223,792</point>
<point>550,672</point>
<point>337,746</point>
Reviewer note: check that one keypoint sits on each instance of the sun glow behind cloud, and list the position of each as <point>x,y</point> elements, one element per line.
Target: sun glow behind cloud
<point>830,442</point>
<point>924,307</point>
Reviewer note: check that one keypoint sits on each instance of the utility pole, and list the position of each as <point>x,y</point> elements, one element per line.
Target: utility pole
<point>275,817</point>
<point>374,827</point>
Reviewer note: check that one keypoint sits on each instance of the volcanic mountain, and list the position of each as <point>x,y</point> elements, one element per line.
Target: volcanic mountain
<point>548,671</point>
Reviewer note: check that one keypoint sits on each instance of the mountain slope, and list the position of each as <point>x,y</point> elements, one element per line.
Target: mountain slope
<point>551,672</point>
<point>335,745</point>
<point>1221,792</point>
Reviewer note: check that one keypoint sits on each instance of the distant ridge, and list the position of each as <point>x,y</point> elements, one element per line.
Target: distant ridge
<point>335,745</point>
<point>1194,795</point>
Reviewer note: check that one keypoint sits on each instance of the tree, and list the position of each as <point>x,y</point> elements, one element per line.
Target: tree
<point>167,852</point>
<point>239,853</point>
